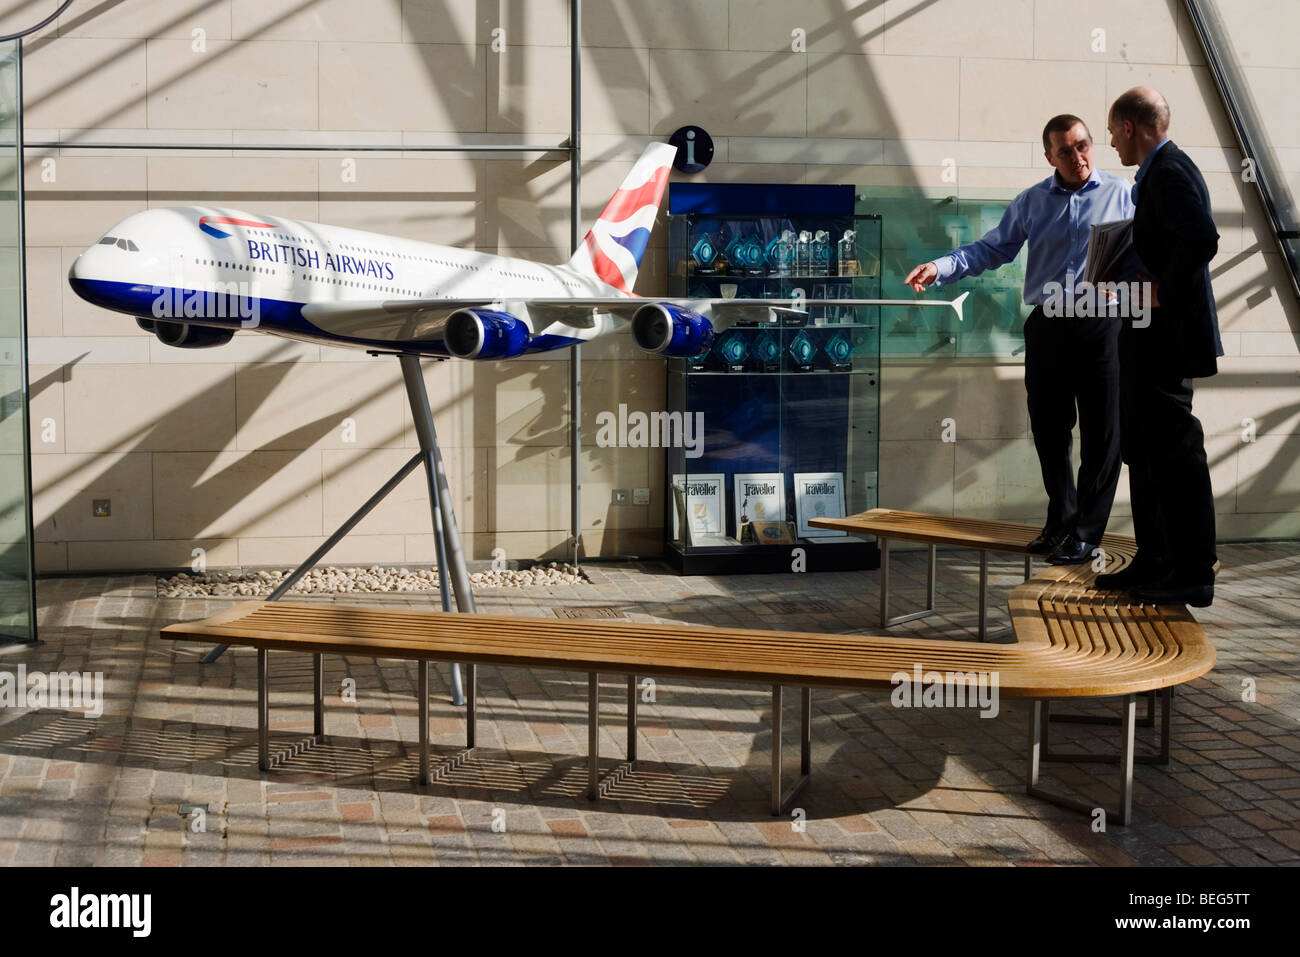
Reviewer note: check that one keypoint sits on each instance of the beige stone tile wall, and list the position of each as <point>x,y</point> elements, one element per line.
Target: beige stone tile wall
<point>254,451</point>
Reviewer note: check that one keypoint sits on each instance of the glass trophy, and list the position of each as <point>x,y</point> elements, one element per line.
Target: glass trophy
<point>840,351</point>
<point>767,354</point>
<point>821,253</point>
<point>735,253</point>
<point>731,349</point>
<point>802,351</point>
<point>752,257</point>
<point>704,256</point>
<point>803,254</point>
<point>780,253</point>
<point>848,254</point>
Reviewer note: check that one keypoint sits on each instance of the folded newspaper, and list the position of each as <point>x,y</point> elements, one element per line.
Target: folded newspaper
<point>1111,257</point>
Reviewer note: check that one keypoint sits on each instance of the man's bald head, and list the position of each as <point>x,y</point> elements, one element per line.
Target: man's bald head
<point>1143,107</point>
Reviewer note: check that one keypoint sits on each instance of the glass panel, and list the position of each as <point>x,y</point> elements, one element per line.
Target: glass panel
<point>922,224</point>
<point>15,547</point>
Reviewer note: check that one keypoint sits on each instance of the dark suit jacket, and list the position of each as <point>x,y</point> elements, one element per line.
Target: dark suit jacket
<point>1174,236</point>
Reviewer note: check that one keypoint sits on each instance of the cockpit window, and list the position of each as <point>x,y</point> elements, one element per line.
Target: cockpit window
<point>132,246</point>
<point>108,241</point>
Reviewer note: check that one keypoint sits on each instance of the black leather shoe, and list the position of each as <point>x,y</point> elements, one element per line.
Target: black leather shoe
<point>1134,576</point>
<point>1170,591</point>
<point>1071,551</point>
<point>1046,543</point>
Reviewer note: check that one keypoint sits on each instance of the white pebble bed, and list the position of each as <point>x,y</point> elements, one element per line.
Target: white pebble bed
<point>372,580</point>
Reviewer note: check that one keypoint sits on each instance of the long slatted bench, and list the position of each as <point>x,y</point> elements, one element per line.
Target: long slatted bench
<point>980,534</point>
<point>1072,642</point>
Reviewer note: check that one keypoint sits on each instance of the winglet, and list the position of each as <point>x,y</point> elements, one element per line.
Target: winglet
<point>956,304</point>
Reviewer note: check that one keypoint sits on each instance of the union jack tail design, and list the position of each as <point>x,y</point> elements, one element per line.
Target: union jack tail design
<point>613,249</point>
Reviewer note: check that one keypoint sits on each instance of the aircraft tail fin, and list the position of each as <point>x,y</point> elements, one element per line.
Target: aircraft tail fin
<point>613,248</point>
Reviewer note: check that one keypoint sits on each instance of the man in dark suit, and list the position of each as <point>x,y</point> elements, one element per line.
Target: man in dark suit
<point>1177,341</point>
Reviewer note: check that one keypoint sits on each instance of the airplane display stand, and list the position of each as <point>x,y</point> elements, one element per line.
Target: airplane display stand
<point>446,535</point>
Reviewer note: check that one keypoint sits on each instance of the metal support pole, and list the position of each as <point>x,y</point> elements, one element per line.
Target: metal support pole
<point>575,237</point>
<point>446,535</point>
<point>330,542</point>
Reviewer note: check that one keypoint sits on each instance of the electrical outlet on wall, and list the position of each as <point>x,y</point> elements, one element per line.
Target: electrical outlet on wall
<point>640,496</point>
<point>620,496</point>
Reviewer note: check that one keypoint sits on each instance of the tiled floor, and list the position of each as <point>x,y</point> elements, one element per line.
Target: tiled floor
<point>890,786</point>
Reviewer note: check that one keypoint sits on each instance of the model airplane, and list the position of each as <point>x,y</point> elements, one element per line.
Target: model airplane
<point>195,275</point>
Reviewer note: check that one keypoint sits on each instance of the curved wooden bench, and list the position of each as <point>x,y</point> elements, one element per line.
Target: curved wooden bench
<point>1072,642</point>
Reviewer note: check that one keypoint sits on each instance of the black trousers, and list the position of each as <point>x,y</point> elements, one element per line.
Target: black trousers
<point>1073,363</point>
<point>1169,476</point>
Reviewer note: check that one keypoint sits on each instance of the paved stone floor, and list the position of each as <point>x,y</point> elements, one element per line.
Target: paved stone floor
<point>890,786</point>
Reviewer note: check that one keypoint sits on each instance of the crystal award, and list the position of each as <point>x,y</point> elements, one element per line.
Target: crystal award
<point>733,352</point>
<point>767,354</point>
<point>802,351</point>
<point>840,351</point>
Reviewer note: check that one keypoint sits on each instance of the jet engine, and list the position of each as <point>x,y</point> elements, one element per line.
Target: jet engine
<point>485,334</point>
<point>182,335</point>
<point>669,330</point>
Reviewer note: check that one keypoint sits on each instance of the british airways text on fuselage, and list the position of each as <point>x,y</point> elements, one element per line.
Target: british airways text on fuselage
<point>310,258</point>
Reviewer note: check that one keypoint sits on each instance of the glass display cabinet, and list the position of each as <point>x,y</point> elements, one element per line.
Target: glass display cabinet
<point>784,412</point>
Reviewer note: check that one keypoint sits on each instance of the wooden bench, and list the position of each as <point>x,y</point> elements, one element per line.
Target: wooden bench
<point>933,530</point>
<point>1072,642</point>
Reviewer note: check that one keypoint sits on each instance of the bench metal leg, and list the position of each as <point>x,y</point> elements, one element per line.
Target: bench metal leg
<point>263,713</point>
<point>266,761</point>
<point>318,685</point>
<point>885,620</point>
<point>1029,565</point>
<point>596,785</point>
<point>781,802</point>
<point>984,588</point>
<point>1146,721</point>
<point>429,773</point>
<point>1038,721</point>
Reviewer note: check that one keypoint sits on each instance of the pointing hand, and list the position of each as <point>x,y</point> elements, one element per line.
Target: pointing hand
<point>922,276</point>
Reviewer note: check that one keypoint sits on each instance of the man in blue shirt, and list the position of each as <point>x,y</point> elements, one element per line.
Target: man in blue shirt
<point>1070,359</point>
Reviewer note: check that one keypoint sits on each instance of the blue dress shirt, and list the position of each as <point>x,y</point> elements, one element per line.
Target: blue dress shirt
<point>1055,221</point>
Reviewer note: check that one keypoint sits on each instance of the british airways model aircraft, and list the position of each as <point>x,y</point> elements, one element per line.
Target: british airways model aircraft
<point>195,275</point>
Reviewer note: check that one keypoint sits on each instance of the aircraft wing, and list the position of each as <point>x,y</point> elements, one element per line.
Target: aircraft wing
<point>424,320</point>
